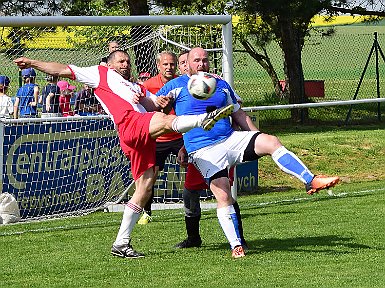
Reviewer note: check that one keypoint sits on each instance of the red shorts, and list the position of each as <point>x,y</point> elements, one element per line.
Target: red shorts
<point>136,142</point>
<point>194,179</point>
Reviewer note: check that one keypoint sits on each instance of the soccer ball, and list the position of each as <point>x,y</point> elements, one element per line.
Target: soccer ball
<point>202,85</point>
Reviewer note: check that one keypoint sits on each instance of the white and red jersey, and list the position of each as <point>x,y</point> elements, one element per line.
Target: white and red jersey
<point>114,93</point>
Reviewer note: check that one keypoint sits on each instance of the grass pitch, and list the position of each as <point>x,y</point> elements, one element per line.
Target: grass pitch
<point>295,240</point>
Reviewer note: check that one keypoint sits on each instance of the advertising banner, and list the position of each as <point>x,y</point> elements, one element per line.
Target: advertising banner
<point>61,167</point>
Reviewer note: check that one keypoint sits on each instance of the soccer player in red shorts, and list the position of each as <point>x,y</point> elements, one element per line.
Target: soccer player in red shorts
<point>125,102</point>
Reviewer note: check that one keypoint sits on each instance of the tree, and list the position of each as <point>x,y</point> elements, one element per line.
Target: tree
<point>116,7</point>
<point>290,21</point>
<point>12,40</point>
<point>287,22</point>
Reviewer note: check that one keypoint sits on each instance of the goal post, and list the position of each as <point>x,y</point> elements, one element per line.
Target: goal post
<point>71,166</point>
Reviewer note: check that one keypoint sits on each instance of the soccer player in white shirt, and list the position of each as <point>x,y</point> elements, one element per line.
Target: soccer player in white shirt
<point>136,127</point>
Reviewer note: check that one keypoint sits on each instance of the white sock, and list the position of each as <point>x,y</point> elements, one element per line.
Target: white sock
<point>185,123</point>
<point>229,223</point>
<point>290,163</point>
<point>130,217</point>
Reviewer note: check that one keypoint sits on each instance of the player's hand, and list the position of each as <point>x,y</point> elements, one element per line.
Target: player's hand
<point>163,101</point>
<point>182,158</point>
<point>137,97</point>
<point>22,62</point>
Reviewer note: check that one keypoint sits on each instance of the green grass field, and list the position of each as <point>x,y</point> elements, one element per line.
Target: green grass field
<point>295,240</point>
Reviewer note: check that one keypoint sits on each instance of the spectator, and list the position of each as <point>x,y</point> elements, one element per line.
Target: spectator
<point>27,96</point>
<point>65,98</point>
<point>6,104</point>
<point>112,46</point>
<point>50,98</point>
<point>182,62</point>
<point>143,76</point>
<point>86,103</point>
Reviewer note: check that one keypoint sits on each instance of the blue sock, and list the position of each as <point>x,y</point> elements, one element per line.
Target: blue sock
<point>290,163</point>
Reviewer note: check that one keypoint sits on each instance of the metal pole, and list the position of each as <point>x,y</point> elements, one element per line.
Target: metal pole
<point>359,83</point>
<point>377,78</point>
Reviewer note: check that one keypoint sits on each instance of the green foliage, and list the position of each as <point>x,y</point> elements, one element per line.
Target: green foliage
<point>30,7</point>
<point>95,7</point>
<point>201,7</point>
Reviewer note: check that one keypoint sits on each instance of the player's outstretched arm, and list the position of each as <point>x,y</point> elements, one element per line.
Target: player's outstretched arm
<point>52,68</point>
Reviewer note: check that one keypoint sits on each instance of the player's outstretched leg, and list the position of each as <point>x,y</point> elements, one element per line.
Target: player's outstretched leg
<point>291,164</point>
<point>214,116</point>
<point>184,123</point>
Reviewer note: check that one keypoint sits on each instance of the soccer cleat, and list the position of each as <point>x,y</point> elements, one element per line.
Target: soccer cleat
<point>125,251</point>
<point>145,219</point>
<point>188,243</point>
<point>216,115</point>
<point>238,252</point>
<point>320,182</point>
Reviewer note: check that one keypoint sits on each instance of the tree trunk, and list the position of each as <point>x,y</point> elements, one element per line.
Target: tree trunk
<point>266,64</point>
<point>145,52</point>
<point>291,47</point>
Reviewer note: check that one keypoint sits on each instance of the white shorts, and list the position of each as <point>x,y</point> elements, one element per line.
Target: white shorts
<point>219,156</point>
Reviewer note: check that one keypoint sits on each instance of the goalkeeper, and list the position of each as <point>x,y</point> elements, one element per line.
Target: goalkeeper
<point>212,152</point>
<point>136,127</point>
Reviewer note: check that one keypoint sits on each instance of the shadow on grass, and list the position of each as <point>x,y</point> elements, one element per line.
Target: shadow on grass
<point>328,244</point>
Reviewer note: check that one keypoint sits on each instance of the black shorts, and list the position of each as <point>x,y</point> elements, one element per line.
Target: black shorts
<point>163,149</point>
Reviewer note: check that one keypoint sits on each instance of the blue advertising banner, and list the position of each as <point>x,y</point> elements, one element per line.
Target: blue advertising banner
<point>59,167</point>
<point>65,167</point>
<point>247,176</point>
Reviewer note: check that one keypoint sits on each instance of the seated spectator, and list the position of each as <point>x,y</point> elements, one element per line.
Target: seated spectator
<point>6,104</point>
<point>50,98</point>
<point>86,103</point>
<point>143,76</point>
<point>65,98</point>
<point>27,96</point>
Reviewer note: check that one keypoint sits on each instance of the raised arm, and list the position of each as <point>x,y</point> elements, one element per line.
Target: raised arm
<point>52,68</point>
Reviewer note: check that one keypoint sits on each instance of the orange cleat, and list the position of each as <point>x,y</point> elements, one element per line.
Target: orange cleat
<point>238,252</point>
<point>320,182</point>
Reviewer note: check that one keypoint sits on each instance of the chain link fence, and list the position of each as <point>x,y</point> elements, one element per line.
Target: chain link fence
<point>336,61</point>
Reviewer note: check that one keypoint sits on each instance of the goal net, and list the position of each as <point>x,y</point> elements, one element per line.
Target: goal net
<point>74,165</point>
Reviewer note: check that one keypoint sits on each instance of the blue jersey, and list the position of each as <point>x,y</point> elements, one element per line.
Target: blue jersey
<point>185,104</point>
<point>25,94</point>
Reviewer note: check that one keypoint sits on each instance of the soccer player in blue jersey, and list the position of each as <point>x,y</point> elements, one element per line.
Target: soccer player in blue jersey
<point>212,152</point>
